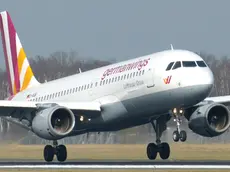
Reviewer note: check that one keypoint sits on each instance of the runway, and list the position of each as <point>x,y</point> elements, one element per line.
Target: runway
<point>118,164</point>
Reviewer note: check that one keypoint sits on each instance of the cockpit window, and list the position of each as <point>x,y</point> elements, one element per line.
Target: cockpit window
<point>177,65</point>
<point>201,64</point>
<point>189,64</point>
<point>170,66</point>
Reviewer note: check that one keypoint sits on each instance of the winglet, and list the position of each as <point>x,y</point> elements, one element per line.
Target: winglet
<point>172,47</point>
<point>20,74</point>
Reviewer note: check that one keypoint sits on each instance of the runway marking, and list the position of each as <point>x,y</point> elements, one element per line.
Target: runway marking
<point>62,166</point>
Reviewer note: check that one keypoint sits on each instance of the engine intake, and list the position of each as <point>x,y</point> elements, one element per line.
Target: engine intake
<point>210,120</point>
<point>53,123</point>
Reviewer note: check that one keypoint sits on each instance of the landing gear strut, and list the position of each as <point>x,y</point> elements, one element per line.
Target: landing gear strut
<point>162,148</point>
<point>58,150</point>
<point>178,134</point>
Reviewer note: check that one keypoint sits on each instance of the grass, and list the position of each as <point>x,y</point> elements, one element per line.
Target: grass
<point>179,151</point>
<point>109,170</point>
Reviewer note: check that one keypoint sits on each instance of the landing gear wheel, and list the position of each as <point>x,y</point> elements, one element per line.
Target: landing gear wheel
<point>152,151</point>
<point>164,150</point>
<point>61,153</point>
<point>176,136</point>
<point>183,136</point>
<point>48,153</point>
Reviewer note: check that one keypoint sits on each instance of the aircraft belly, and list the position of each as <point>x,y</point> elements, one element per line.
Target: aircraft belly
<point>161,102</point>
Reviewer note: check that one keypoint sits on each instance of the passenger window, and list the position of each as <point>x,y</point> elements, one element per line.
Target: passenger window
<point>140,73</point>
<point>127,76</point>
<point>143,72</point>
<point>95,84</point>
<point>177,65</point>
<point>169,66</point>
<point>133,74</point>
<point>118,78</point>
<point>201,64</point>
<point>189,64</point>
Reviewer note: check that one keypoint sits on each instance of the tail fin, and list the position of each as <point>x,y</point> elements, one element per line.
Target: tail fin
<point>20,74</point>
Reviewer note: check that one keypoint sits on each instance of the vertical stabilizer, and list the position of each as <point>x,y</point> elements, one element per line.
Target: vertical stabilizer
<point>20,74</point>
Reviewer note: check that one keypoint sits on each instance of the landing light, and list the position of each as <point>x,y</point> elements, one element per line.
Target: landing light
<point>81,118</point>
<point>174,110</point>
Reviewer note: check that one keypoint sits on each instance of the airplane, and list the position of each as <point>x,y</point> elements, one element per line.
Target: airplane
<point>152,89</point>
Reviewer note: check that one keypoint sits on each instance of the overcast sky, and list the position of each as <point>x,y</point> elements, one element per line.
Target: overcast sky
<point>120,29</point>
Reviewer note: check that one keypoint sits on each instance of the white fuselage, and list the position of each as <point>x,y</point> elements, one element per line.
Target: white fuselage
<point>139,85</point>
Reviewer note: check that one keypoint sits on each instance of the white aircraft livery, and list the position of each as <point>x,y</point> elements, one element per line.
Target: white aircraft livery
<point>149,89</point>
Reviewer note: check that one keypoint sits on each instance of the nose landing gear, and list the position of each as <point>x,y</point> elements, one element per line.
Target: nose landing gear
<point>178,134</point>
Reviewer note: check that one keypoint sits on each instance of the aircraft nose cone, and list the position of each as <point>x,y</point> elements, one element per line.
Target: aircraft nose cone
<point>201,88</point>
<point>206,84</point>
<point>210,78</point>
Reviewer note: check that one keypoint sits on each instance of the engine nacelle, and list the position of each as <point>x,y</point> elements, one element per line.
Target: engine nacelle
<point>53,123</point>
<point>210,120</point>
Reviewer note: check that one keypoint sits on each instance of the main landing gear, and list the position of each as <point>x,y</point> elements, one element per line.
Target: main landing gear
<point>178,134</point>
<point>58,150</point>
<point>162,148</point>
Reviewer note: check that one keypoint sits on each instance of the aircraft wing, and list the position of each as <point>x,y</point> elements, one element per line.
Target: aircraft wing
<point>15,108</point>
<point>219,99</point>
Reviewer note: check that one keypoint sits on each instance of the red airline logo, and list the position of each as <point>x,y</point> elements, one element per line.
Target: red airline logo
<point>167,80</point>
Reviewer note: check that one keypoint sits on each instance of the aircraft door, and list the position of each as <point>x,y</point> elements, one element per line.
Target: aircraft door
<point>150,79</point>
<point>92,91</point>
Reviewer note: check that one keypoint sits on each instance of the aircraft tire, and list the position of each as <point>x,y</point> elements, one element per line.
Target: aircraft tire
<point>48,153</point>
<point>152,151</point>
<point>183,136</point>
<point>61,153</point>
<point>176,136</point>
<point>164,150</point>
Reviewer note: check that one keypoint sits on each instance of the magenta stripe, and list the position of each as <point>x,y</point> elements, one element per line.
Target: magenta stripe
<point>6,59</point>
<point>12,35</point>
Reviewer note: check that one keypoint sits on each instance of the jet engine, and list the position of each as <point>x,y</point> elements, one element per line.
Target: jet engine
<point>53,123</point>
<point>210,120</point>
